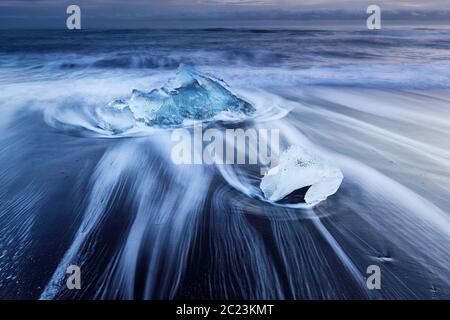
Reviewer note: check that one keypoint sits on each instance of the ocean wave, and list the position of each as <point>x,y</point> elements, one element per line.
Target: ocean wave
<point>166,50</point>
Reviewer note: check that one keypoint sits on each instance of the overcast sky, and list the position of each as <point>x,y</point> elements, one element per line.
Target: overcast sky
<point>147,13</point>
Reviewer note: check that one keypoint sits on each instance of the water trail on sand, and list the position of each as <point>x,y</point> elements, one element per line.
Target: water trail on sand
<point>160,224</point>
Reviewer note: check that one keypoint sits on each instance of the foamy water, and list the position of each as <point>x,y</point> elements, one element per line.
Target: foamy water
<point>140,226</point>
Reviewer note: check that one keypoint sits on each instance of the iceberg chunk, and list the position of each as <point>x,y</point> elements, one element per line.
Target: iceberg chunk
<point>189,96</point>
<point>298,169</point>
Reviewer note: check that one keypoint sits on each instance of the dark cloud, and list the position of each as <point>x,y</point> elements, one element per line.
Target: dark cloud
<point>148,13</point>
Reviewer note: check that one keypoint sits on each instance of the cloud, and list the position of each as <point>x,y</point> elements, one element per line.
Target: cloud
<point>142,13</point>
<point>298,4</point>
<point>238,2</point>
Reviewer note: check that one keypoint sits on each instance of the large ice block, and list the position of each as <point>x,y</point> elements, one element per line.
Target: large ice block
<point>189,96</point>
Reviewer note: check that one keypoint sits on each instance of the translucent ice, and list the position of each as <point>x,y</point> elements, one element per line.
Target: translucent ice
<point>189,96</point>
<point>298,169</point>
<point>115,117</point>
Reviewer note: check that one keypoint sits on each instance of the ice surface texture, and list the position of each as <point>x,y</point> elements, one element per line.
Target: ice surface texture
<point>297,169</point>
<point>189,96</point>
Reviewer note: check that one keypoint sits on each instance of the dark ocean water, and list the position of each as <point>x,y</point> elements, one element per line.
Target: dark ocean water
<point>416,57</point>
<point>375,104</point>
